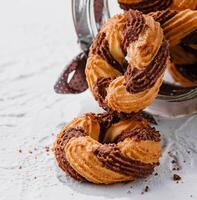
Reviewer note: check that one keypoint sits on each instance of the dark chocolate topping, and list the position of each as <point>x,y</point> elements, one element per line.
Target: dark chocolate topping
<point>148,117</point>
<point>188,71</point>
<point>106,119</point>
<point>135,24</point>
<point>163,16</point>
<point>100,46</point>
<point>77,83</point>
<point>147,6</point>
<point>139,80</point>
<point>140,134</point>
<point>99,91</point>
<point>60,154</point>
<point>112,158</point>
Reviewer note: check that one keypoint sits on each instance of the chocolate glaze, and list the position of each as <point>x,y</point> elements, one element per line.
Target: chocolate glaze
<point>60,154</point>
<point>147,6</point>
<point>140,134</point>
<point>112,158</point>
<point>139,80</point>
<point>134,25</point>
<point>188,71</point>
<point>99,91</point>
<point>148,117</point>
<point>163,16</point>
<point>100,46</point>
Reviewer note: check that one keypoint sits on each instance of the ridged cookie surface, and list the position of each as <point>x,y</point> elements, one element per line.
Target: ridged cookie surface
<point>180,29</point>
<point>126,62</point>
<point>147,6</point>
<point>130,148</point>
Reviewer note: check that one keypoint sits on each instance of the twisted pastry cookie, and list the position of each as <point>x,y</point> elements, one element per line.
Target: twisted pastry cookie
<point>131,148</point>
<point>139,38</point>
<point>180,29</point>
<point>147,6</point>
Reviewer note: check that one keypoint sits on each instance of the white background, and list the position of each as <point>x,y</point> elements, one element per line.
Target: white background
<point>37,39</point>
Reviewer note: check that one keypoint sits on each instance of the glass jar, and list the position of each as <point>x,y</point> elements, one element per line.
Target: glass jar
<point>89,15</point>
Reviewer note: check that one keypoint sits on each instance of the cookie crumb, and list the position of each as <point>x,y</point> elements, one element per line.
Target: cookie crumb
<point>146,189</point>
<point>47,148</point>
<point>175,169</point>
<point>176,177</point>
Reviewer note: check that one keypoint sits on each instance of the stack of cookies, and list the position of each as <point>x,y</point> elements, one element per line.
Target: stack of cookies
<point>124,71</point>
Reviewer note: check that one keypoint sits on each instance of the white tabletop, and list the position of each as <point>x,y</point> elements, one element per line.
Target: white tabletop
<point>37,39</point>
